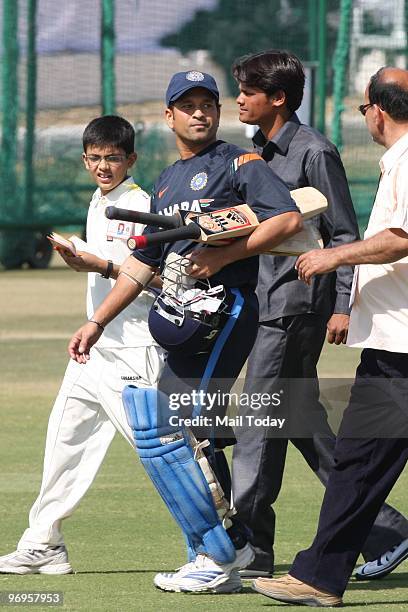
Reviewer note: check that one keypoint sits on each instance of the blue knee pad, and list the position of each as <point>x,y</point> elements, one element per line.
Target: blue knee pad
<point>168,458</point>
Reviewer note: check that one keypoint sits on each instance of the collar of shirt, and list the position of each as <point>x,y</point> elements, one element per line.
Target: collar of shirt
<point>393,154</point>
<point>280,142</point>
<point>114,195</point>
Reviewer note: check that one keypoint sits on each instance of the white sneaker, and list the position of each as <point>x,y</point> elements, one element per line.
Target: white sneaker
<point>204,574</point>
<point>52,560</point>
<point>385,564</point>
<point>198,576</point>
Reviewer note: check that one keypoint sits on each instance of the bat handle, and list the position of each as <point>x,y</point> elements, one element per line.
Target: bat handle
<point>135,216</point>
<point>185,232</point>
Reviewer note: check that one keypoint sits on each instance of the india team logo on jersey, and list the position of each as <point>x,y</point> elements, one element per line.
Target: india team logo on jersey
<point>199,181</point>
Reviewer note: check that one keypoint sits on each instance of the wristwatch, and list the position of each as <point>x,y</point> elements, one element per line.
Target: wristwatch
<point>108,270</point>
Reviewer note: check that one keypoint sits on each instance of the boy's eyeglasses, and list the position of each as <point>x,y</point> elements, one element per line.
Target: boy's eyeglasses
<point>363,108</point>
<point>95,160</point>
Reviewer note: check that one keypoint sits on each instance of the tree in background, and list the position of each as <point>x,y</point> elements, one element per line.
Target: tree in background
<point>237,27</point>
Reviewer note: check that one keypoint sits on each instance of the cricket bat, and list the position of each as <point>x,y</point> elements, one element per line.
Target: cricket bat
<point>219,227</point>
<point>310,201</point>
<point>307,239</point>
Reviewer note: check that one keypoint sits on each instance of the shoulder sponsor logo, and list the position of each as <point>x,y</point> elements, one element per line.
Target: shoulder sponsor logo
<point>194,75</point>
<point>244,159</point>
<point>199,181</point>
<point>163,191</point>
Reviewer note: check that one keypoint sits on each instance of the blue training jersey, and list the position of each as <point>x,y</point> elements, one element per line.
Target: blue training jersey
<point>219,176</point>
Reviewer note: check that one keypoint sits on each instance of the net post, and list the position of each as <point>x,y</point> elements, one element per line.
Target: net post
<point>31,107</point>
<point>108,57</point>
<point>340,70</point>
<point>9,100</point>
<point>322,77</point>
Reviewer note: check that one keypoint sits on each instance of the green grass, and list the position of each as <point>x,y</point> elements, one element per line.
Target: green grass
<point>121,534</point>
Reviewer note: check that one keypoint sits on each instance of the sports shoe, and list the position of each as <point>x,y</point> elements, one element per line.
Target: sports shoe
<point>251,571</point>
<point>199,575</point>
<point>385,564</point>
<point>292,590</point>
<point>203,574</point>
<point>52,560</point>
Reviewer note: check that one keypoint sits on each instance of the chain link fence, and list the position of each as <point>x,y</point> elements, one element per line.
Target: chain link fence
<point>371,34</point>
<point>64,64</point>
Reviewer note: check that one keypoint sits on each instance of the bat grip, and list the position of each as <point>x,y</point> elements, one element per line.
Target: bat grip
<point>185,232</point>
<point>135,216</point>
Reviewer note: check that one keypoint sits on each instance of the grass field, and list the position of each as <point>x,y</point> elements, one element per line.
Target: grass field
<point>121,534</point>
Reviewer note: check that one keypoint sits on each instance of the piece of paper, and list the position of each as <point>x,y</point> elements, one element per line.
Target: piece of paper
<point>80,244</point>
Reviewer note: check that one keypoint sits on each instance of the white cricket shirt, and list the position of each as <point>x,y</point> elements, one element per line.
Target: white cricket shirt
<point>379,317</point>
<point>107,239</point>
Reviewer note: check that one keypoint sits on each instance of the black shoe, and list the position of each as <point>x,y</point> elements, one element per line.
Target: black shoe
<point>255,570</point>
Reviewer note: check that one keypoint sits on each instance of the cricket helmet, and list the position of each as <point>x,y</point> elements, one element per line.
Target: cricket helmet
<point>188,315</point>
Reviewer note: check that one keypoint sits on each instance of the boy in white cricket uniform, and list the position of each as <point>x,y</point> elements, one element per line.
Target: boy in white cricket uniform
<point>88,409</point>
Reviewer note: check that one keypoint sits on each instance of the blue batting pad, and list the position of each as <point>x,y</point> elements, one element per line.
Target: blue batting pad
<point>168,458</point>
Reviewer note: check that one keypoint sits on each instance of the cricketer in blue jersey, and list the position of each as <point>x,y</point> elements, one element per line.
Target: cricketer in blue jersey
<point>219,176</point>
<point>208,344</point>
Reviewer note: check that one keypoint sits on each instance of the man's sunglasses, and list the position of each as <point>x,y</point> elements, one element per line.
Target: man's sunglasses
<point>363,108</point>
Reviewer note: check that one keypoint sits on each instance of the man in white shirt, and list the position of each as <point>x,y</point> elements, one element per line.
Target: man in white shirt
<point>372,444</point>
<point>88,409</point>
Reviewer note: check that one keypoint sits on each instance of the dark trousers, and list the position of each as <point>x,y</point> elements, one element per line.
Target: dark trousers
<point>365,470</point>
<point>285,349</point>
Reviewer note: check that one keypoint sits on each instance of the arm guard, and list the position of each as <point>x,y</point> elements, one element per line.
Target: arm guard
<point>137,271</point>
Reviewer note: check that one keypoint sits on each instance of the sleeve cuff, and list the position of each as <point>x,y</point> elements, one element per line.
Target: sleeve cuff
<point>342,304</point>
<point>264,216</point>
<point>146,260</point>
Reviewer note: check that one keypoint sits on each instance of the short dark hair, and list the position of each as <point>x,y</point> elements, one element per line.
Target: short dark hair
<point>271,71</point>
<point>110,130</point>
<point>389,96</point>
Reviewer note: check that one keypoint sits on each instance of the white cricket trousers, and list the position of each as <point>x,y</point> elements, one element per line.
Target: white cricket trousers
<point>86,414</point>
